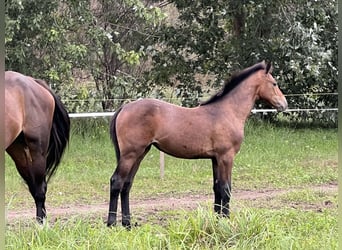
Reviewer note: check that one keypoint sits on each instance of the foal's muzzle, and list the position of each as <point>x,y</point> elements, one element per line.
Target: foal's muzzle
<point>281,104</point>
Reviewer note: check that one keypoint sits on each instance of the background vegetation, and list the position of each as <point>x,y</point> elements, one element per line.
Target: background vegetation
<point>98,54</point>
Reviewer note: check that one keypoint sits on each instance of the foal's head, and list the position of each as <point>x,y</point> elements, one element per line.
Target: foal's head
<point>269,91</point>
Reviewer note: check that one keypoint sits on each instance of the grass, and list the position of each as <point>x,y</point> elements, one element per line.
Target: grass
<point>270,158</point>
<point>200,229</point>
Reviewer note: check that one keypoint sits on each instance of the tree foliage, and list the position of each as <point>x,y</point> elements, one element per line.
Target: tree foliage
<point>54,40</point>
<point>118,38</point>
<point>129,50</point>
<point>219,37</point>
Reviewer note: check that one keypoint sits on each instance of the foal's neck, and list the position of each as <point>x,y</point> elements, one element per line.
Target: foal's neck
<point>241,100</point>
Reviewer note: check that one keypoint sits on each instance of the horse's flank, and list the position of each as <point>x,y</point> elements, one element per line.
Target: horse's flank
<point>32,104</point>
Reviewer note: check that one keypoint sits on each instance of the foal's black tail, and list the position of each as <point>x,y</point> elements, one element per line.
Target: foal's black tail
<point>59,136</point>
<point>113,134</point>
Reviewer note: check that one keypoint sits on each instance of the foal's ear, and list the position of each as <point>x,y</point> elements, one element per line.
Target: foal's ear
<point>269,68</point>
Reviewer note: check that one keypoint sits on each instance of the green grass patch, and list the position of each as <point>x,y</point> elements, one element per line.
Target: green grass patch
<point>280,157</point>
<point>310,196</point>
<point>270,158</point>
<point>201,229</point>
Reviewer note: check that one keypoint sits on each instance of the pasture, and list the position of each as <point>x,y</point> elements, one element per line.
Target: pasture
<point>284,196</point>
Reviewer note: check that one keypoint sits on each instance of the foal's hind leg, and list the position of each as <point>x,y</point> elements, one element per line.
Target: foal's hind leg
<point>115,186</point>
<point>121,183</point>
<point>124,195</point>
<point>117,182</point>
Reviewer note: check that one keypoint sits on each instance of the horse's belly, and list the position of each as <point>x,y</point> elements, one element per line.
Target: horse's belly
<point>183,148</point>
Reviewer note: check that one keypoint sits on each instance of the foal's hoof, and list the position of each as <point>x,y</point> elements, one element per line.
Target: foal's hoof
<point>129,226</point>
<point>111,224</point>
<point>41,220</point>
<point>226,215</point>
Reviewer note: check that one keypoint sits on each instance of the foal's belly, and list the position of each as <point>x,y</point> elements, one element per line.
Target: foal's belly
<point>185,148</point>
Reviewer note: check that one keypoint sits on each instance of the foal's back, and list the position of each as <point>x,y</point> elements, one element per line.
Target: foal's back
<point>178,131</point>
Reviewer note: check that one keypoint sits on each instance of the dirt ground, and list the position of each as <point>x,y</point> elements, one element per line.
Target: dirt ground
<point>141,209</point>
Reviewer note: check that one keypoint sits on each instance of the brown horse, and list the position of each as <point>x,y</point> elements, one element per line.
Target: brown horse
<point>37,130</point>
<point>213,130</point>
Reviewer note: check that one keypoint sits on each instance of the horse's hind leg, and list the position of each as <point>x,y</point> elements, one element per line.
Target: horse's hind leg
<point>38,150</point>
<point>121,183</point>
<point>116,184</point>
<point>31,166</point>
<point>39,187</point>
<point>124,194</point>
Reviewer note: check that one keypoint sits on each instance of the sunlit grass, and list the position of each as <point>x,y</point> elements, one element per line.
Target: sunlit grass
<point>200,229</point>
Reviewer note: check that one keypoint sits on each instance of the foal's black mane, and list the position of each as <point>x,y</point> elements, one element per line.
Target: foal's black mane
<point>234,81</point>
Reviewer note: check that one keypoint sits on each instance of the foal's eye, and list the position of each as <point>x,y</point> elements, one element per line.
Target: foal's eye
<point>274,84</point>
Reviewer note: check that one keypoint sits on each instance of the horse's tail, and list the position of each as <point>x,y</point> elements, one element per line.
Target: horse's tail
<point>59,136</point>
<point>113,134</point>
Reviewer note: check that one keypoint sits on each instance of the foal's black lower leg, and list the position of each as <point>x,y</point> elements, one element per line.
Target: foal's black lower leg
<point>121,183</point>
<point>222,194</point>
<point>217,197</point>
<point>126,216</point>
<point>222,169</point>
<point>124,195</point>
<point>115,187</point>
<point>216,188</point>
<point>225,194</point>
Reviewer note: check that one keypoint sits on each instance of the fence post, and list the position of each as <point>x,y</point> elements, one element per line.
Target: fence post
<point>162,164</point>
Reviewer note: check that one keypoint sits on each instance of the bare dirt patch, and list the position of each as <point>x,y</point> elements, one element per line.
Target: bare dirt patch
<point>143,207</point>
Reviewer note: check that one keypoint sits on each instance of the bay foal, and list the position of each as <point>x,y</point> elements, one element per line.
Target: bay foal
<point>213,130</point>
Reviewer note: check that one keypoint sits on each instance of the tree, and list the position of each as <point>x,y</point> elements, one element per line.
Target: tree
<point>39,42</point>
<point>118,36</point>
<point>36,44</point>
<point>129,51</point>
<point>217,38</point>
<point>54,39</point>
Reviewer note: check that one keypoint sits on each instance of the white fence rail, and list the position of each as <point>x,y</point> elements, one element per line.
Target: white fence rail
<point>254,111</point>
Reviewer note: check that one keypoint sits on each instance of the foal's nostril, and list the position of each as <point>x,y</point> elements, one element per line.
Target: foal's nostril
<point>280,104</point>
<point>283,106</point>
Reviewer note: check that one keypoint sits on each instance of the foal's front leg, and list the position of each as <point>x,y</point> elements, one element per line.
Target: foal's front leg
<point>222,184</point>
<point>216,188</point>
<point>225,193</point>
